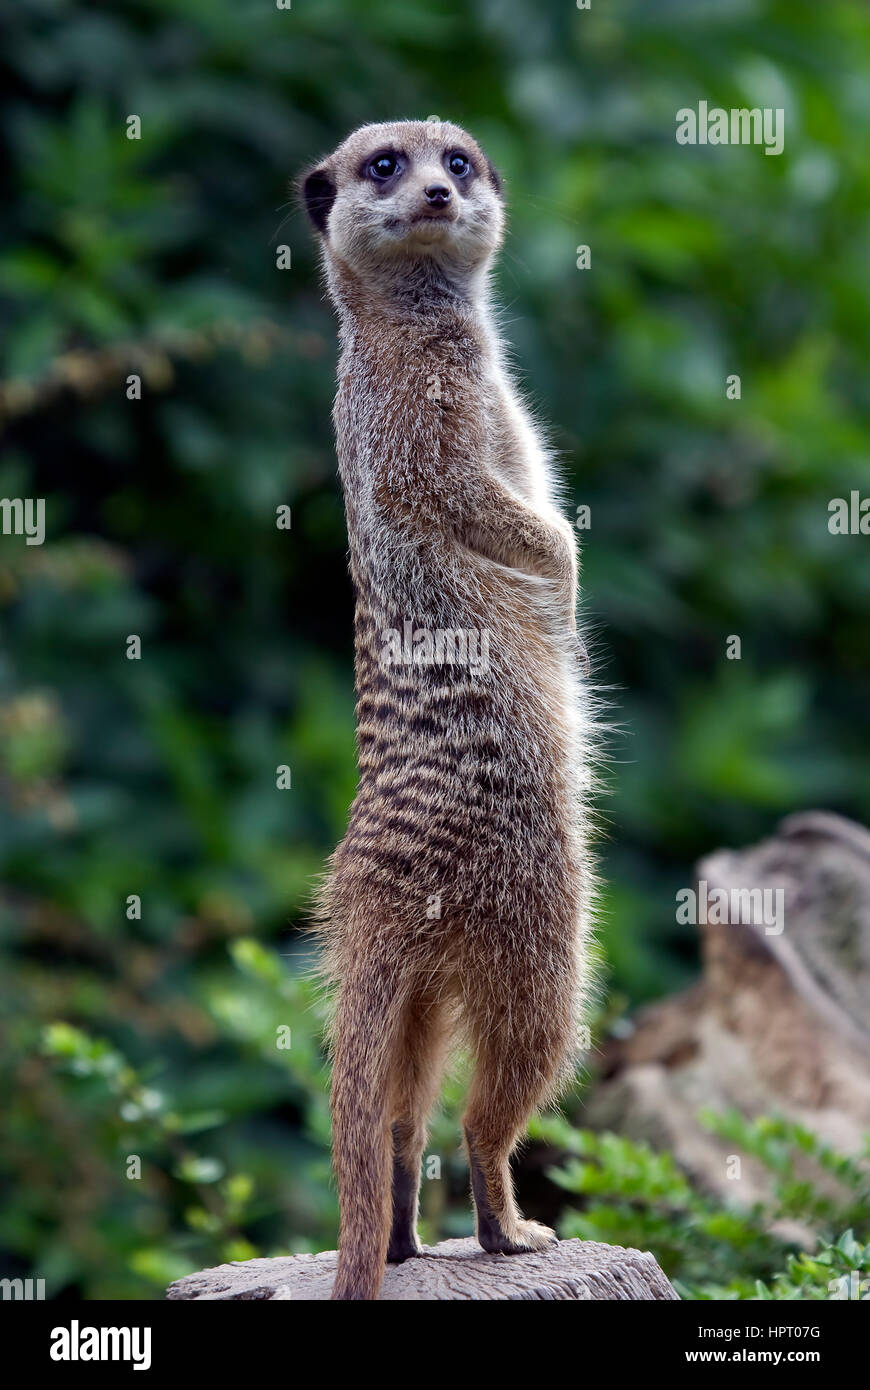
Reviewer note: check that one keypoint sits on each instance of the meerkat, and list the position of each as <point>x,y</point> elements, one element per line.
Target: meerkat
<point>457,907</point>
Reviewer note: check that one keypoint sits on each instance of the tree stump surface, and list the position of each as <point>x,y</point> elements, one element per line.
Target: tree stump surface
<point>573,1270</point>
<point>779,1022</point>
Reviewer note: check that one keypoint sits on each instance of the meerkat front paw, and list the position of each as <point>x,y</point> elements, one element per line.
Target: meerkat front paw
<point>565,547</point>
<point>525,1238</point>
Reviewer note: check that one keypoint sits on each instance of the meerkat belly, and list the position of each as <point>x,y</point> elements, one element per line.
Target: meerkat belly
<point>470,756</point>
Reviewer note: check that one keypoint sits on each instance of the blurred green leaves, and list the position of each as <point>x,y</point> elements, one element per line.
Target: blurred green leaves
<point>627,1194</point>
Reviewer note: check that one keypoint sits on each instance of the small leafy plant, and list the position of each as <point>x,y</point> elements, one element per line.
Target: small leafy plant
<point>711,1249</point>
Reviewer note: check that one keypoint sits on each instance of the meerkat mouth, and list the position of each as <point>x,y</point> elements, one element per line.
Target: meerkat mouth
<point>425,219</point>
<point>427,225</point>
<point>419,222</point>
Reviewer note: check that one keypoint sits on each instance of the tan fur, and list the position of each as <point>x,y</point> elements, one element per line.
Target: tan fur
<point>473,783</point>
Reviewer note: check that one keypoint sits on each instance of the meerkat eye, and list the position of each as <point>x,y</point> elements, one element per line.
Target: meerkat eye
<point>458,164</point>
<point>383,166</point>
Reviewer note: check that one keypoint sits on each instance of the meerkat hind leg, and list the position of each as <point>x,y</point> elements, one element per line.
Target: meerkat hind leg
<point>510,1082</point>
<point>425,1047</point>
<point>404,1242</point>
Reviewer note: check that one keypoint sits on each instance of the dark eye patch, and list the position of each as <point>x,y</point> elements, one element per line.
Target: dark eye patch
<point>459,164</point>
<point>383,166</point>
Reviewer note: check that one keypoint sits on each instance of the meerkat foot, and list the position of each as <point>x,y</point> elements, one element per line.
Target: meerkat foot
<point>525,1237</point>
<point>503,1232</point>
<point>403,1246</point>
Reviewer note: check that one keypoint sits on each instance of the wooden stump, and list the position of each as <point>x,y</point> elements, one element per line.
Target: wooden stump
<point>577,1270</point>
<point>779,1022</point>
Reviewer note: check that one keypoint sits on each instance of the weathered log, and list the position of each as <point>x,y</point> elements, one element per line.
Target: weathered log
<point>778,1023</point>
<point>575,1270</point>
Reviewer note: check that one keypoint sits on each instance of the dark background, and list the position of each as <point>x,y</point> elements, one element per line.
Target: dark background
<point>156,1037</point>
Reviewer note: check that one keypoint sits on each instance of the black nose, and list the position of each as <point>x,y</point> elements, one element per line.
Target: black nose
<point>437,195</point>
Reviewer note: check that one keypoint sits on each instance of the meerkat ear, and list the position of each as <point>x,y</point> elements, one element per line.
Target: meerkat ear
<point>318,192</point>
<point>496,178</point>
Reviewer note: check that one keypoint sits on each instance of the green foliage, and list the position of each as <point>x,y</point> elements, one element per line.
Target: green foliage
<point>632,1195</point>
<point>155,1033</point>
<point>789,1151</point>
<point>840,1271</point>
<point>171,1168</point>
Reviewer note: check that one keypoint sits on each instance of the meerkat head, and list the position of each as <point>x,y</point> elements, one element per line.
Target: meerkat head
<point>407,192</point>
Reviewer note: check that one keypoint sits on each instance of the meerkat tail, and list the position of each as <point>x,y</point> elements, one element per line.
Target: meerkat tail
<point>368,1027</point>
